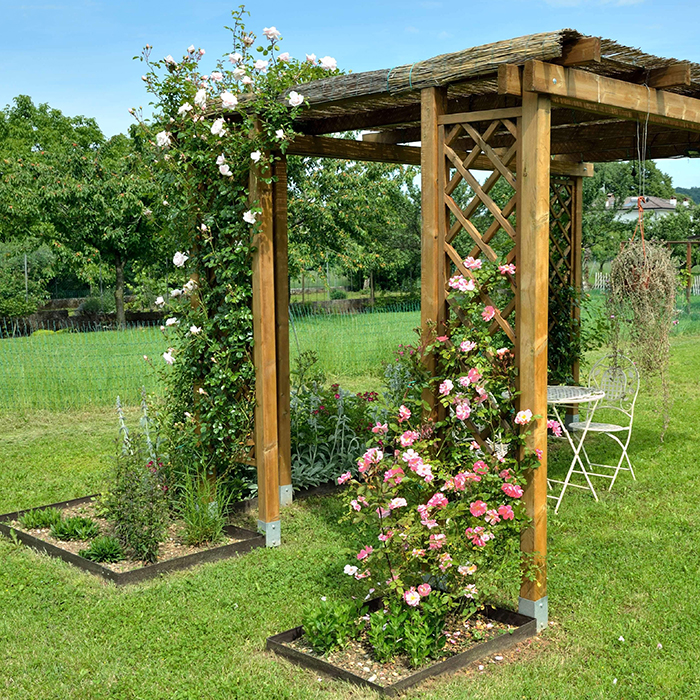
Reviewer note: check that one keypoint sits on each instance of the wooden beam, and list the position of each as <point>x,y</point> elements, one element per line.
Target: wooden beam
<point>510,80</point>
<point>265,358</point>
<point>284,439</point>
<point>405,135</point>
<point>580,52</point>
<point>585,90</point>
<point>325,147</point>
<point>531,312</point>
<point>482,115</point>
<point>676,75</point>
<point>359,120</point>
<point>433,303</point>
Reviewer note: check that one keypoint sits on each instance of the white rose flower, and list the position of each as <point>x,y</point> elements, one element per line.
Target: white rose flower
<point>284,57</point>
<point>168,356</point>
<point>255,156</point>
<point>203,228</point>
<point>238,73</point>
<point>163,139</point>
<point>249,217</point>
<point>202,52</point>
<point>260,65</point>
<point>190,48</point>
<point>216,75</point>
<point>175,293</point>
<point>271,33</point>
<point>228,99</point>
<point>328,63</point>
<point>217,128</point>
<point>350,570</point>
<point>189,286</point>
<point>179,259</point>
<point>225,170</point>
<point>247,39</point>
<point>279,133</point>
<point>247,80</point>
<point>201,390</point>
<point>311,57</point>
<point>194,330</point>
<point>169,60</point>
<point>160,301</point>
<point>235,57</point>
<point>200,99</point>
<point>295,99</point>
<point>220,160</point>
<point>172,321</point>
<point>184,108</point>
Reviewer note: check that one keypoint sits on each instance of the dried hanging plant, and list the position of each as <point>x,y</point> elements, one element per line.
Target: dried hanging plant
<point>642,305</point>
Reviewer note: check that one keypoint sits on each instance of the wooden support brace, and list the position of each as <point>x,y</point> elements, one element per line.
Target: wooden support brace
<point>265,357</point>
<point>580,52</point>
<point>532,297</point>
<point>676,75</point>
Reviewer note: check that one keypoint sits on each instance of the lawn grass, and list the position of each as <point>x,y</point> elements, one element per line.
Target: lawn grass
<point>626,566</point>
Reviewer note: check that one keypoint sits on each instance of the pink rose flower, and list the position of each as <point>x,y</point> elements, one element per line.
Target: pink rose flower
<point>436,541</point>
<point>477,508</point>
<point>404,413</point>
<point>397,503</point>
<point>473,375</point>
<point>418,553</point>
<point>365,552</point>
<point>442,339</point>
<point>488,313</point>
<point>446,387</point>
<point>467,345</point>
<point>472,264</point>
<point>394,476</point>
<point>438,501</point>
<point>386,537</point>
<point>344,477</point>
<point>445,561</point>
<point>506,512</point>
<point>412,597</point>
<point>480,467</point>
<point>424,590</point>
<point>380,428</point>
<point>492,517</point>
<point>408,438</point>
<point>508,269</point>
<point>523,417</point>
<point>412,458</point>
<point>539,453</point>
<point>555,427</point>
<point>512,490</point>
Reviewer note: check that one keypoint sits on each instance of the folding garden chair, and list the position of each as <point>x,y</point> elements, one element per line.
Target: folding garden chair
<point>618,377</point>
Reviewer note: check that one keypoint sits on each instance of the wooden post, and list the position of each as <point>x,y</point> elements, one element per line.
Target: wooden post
<point>279,195</point>
<point>433,304</point>
<point>265,356</point>
<point>532,296</point>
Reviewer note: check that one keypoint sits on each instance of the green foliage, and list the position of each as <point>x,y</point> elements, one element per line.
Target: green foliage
<point>205,180</point>
<point>20,297</point>
<point>331,625</point>
<point>75,528</point>
<point>338,294</point>
<point>40,519</point>
<point>202,507</point>
<point>692,192</point>
<point>136,504</point>
<point>103,549</point>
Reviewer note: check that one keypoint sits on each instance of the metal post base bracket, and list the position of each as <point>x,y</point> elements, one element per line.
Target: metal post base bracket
<point>537,609</point>
<point>271,532</point>
<point>286,495</point>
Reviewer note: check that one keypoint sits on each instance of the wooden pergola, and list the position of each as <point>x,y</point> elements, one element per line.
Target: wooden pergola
<point>533,111</point>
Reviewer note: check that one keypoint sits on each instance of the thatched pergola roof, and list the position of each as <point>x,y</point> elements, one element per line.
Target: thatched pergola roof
<point>388,101</point>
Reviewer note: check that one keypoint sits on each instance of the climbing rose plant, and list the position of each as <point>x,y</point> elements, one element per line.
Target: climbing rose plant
<point>441,513</point>
<point>208,129</point>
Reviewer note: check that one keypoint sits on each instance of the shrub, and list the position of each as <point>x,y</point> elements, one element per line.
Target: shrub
<point>75,528</point>
<point>338,294</point>
<point>40,519</point>
<point>103,549</point>
<point>331,625</point>
<point>203,508</point>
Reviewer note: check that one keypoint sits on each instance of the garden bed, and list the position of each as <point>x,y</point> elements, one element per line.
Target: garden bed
<point>173,556</point>
<point>496,629</point>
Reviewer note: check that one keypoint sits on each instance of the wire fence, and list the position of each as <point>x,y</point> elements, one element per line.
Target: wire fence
<point>53,367</point>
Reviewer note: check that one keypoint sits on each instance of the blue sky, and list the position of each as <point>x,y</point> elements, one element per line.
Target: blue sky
<point>77,54</point>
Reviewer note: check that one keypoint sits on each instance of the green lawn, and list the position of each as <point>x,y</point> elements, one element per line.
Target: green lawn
<point>626,566</point>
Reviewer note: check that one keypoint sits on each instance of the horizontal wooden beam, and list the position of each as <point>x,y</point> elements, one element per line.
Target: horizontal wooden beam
<point>358,120</point>
<point>676,75</point>
<point>588,91</point>
<point>480,116</point>
<point>580,52</point>
<point>405,135</point>
<point>347,149</point>
<point>510,80</point>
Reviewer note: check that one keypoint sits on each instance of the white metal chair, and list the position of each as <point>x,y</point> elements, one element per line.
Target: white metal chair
<point>618,377</point>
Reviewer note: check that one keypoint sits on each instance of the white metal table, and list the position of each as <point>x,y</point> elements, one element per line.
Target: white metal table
<point>567,395</point>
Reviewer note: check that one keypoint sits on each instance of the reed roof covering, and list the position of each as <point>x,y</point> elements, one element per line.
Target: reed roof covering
<point>390,98</point>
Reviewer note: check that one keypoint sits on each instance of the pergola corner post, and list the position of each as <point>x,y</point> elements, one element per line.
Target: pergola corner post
<point>281,251</point>
<point>433,303</point>
<point>265,358</point>
<point>532,301</point>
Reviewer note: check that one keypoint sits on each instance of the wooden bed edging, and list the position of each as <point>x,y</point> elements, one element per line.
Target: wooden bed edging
<point>249,540</point>
<point>526,627</point>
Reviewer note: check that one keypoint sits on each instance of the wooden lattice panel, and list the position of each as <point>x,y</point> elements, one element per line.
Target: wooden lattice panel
<point>561,246</point>
<point>479,217</point>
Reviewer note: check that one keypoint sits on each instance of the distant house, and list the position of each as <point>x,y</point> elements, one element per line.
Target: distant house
<point>655,206</point>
